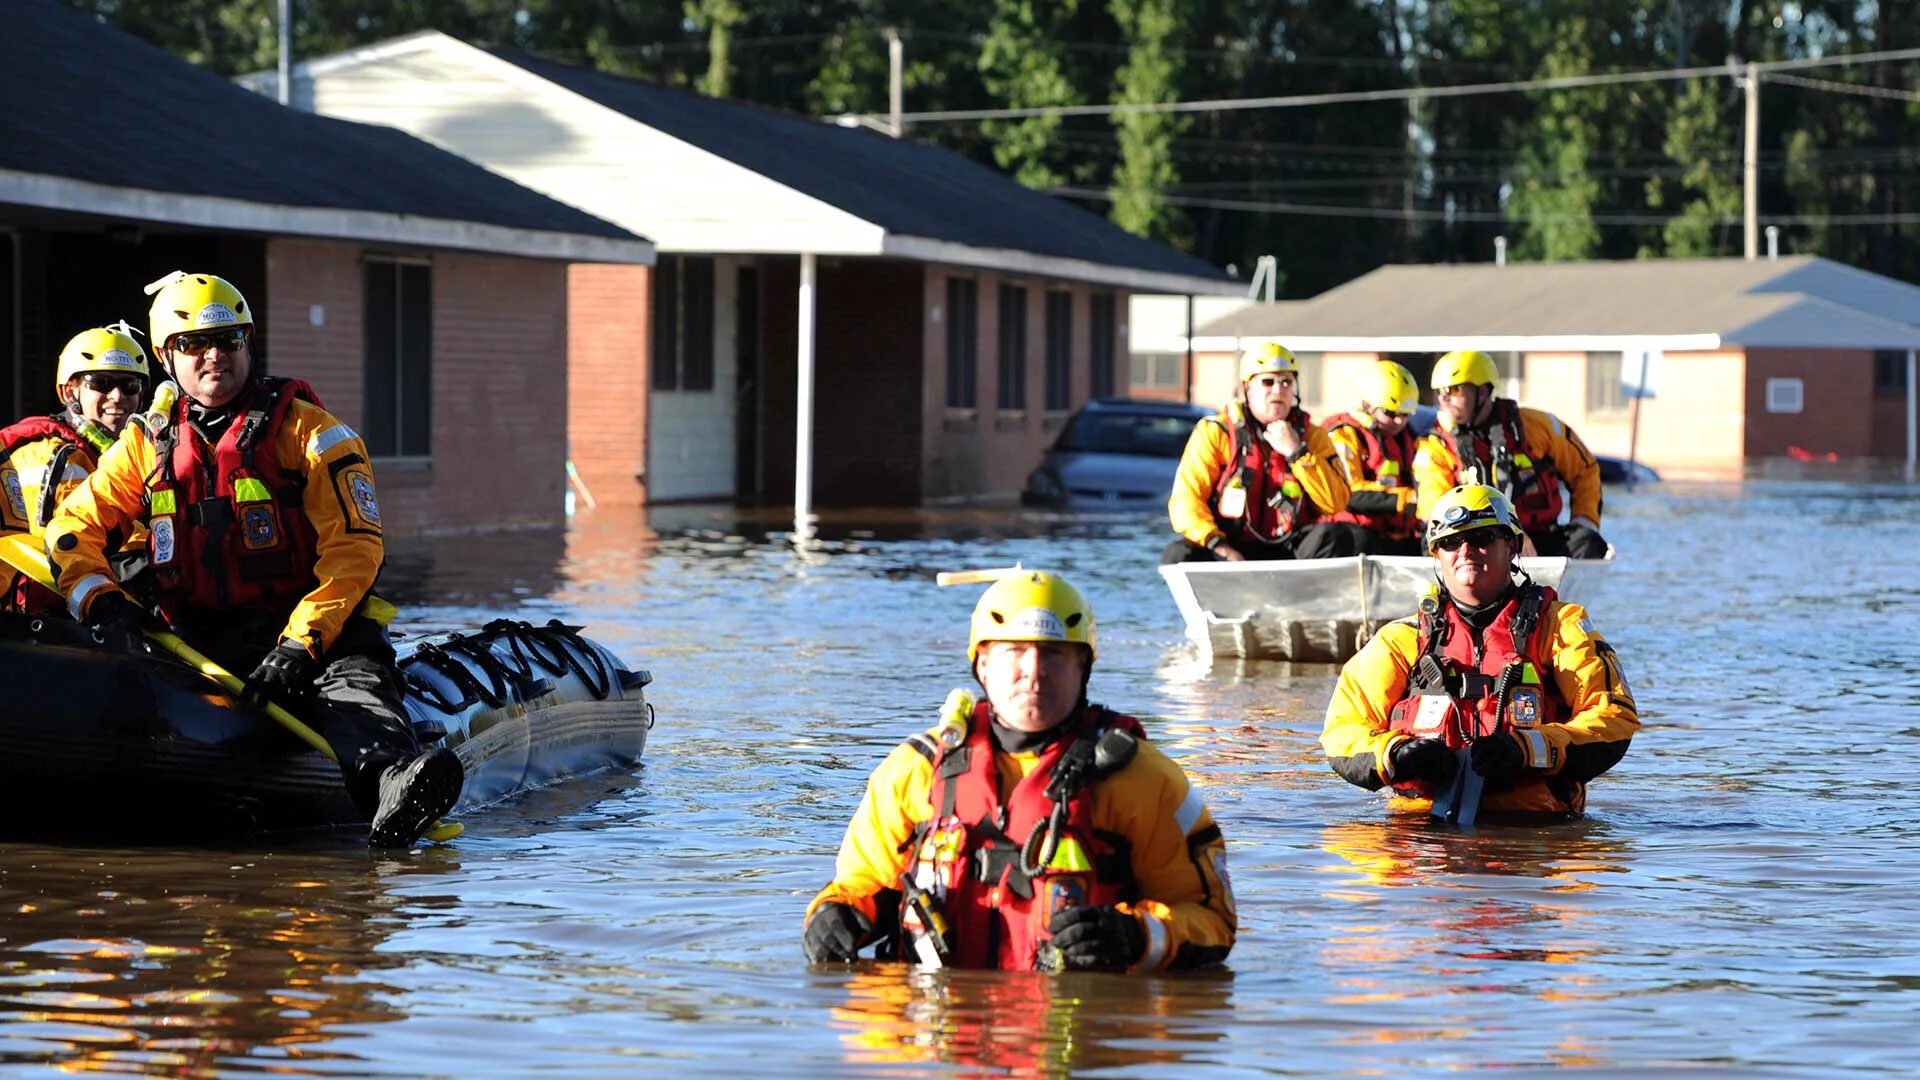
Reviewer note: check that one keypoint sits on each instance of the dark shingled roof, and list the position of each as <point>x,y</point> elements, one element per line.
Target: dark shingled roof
<point>907,188</point>
<point>89,102</point>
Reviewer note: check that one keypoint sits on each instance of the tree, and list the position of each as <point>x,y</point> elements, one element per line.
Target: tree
<point>1151,30</point>
<point>1023,65</point>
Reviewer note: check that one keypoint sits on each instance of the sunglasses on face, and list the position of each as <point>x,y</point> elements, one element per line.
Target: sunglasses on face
<point>1268,382</point>
<point>103,383</point>
<point>199,341</point>
<point>1481,539</point>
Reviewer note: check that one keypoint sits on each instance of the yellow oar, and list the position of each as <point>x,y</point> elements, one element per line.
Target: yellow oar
<point>19,551</point>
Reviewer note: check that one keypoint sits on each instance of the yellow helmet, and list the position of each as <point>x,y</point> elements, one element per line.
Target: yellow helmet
<point>1463,367</point>
<point>1391,387</point>
<point>1031,605</point>
<point>104,348</point>
<point>1266,357</point>
<point>1469,507</point>
<point>183,302</point>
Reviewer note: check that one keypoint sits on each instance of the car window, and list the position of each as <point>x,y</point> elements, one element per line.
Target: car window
<point>1146,434</point>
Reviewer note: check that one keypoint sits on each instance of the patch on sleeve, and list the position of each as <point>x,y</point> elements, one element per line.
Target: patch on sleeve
<point>356,489</point>
<point>16,495</point>
<point>1217,862</point>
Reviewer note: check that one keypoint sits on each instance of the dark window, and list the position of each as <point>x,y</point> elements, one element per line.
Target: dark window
<point>1059,351</point>
<point>1100,334</point>
<point>1013,348</point>
<point>683,323</point>
<point>399,358</point>
<point>1889,373</point>
<point>963,331</point>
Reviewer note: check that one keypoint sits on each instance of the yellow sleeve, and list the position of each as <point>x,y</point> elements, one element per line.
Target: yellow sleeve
<point>871,853</point>
<point>1602,714</point>
<point>1321,473</point>
<point>1353,455</point>
<point>1179,861</point>
<point>1436,469</point>
<point>112,498</point>
<point>32,464</point>
<point>1548,437</point>
<point>345,513</point>
<point>1209,452</point>
<point>1355,735</point>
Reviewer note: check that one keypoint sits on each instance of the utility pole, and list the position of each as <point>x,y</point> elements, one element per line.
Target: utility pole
<point>286,52</point>
<point>896,65</point>
<point>1750,163</point>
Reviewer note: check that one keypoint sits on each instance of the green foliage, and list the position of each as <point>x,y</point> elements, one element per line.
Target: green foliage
<point>1022,65</point>
<point>1151,29</point>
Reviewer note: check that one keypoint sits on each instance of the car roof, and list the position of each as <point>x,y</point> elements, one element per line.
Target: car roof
<point>1152,406</point>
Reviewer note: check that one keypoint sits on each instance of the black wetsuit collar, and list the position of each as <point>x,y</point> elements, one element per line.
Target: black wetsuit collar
<point>1013,741</point>
<point>1482,617</point>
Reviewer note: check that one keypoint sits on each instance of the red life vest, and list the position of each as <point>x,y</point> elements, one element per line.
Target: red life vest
<point>1273,503</point>
<point>229,530</point>
<point>1454,695</point>
<point>23,593</point>
<point>1388,462</point>
<point>1497,455</point>
<point>977,856</point>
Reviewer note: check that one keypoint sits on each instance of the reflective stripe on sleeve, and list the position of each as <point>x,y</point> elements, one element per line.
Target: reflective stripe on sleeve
<point>77,601</point>
<point>1156,950</point>
<point>328,438</point>
<point>1191,807</point>
<point>1536,748</point>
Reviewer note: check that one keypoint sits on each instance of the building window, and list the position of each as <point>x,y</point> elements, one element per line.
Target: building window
<point>1059,351</point>
<point>1012,395</point>
<point>1890,373</point>
<point>963,342</point>
<point>1159,371</point>
<point>1100,344</point>
<point>1606,393</point>
<point>683,323</point>
<point>399,358</point>
<point>1785,396</point>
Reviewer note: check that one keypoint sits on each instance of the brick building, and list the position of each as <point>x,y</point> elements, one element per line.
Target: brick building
<point>425,298</point>
<point>958,318</point>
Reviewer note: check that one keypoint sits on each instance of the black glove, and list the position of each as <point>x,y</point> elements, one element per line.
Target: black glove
<point>285,674</point>
<point>1584,543</point>
<point>1095,939</point>
<point>1424,759</point>
<point>835,933</point>
<point>117,620</point>
<point>1497,757</point>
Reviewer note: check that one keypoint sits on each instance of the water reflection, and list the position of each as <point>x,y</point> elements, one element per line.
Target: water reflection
<point>188,963</point>
<point>1021,1024</point>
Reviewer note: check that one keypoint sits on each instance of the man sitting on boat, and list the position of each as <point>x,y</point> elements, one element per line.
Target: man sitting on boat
<point>101,379</point>
<point>1494,674</point>
<point>1377,449</point>
<point>1030,830</point>
<point>1526,453</point>
<point>265,543</point>
<point>1259,481</point>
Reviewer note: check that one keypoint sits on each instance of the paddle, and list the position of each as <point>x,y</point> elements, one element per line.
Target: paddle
<point>19,551</point>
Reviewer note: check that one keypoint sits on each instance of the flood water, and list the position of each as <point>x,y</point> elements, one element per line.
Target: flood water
<point>1744,896</point>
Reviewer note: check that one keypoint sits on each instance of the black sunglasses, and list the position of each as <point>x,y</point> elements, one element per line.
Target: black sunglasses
<point>101,382</point>
<point>199,341</point>
<point>1479,538</point>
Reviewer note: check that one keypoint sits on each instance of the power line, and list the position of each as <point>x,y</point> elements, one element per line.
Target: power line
<point>1846,88</point>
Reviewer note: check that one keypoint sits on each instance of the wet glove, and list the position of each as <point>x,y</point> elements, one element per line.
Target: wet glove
<point>114,616</point>
<point>1096,939</point>
<point>835,933</point>
<point>285,674</point>
<point>1424,759</point>
<point>1584,542</point>
<point>1497,757</point>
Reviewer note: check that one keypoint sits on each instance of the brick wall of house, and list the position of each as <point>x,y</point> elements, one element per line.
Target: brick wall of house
<point>1837,399</point>
<point>609,346</point>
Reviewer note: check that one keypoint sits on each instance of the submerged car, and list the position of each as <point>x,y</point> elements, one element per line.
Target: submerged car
<point>1115,452</point>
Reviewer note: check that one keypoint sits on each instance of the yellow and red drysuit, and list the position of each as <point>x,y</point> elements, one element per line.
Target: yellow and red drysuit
<point>1525,453</point>
<point>1233,486</point>
<point>1139,837</point>
<point>1538,671</point>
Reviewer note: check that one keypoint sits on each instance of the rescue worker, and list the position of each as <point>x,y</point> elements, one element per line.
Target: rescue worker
<point>101,379</point>
<point>265,544</point>
<point>1259,481</point>
<point>1494,672</point>
<point>1377,448</point>
<point>1030,830</point>
<point>1526,453</point>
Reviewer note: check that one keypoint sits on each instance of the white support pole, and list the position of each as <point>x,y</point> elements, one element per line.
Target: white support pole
<point>1913,415</point>
<point>1750,164</point>
<point>896,78</point>
<point>803,407</point>
<point>286,52</point>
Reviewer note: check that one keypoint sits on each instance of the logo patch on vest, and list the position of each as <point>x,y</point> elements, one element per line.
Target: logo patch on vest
<point>360,489</point>
<point>1433,712</point>
<point>162,540</point>
<point>215,315</point>
<point>1526,707</point>
<point>1035,624</point>
<point>260,526</point>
